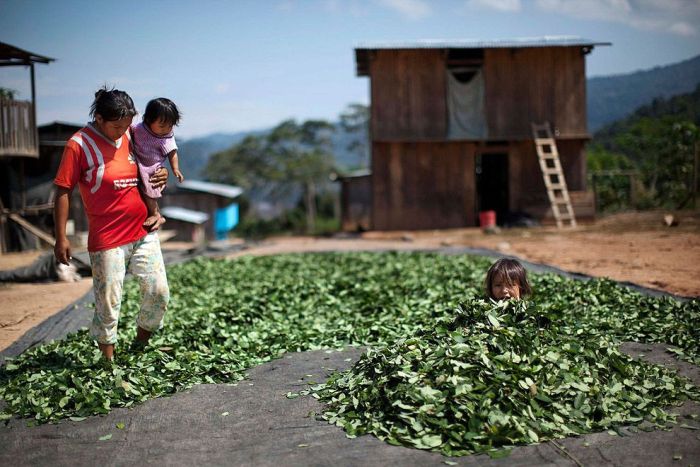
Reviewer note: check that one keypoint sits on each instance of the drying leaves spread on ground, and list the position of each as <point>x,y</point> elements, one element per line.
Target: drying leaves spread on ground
<point>445,370</point>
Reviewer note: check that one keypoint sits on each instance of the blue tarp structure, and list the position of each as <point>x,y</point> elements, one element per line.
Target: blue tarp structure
<point>225,219</point>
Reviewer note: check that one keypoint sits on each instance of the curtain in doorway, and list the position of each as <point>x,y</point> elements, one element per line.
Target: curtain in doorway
<point>465,102</point>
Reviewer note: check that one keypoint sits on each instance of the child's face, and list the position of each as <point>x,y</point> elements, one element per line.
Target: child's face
<point>501,290</point>
<point>161,128</point>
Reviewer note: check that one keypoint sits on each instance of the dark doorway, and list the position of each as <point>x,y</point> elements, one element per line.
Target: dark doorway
<point>492,184</point>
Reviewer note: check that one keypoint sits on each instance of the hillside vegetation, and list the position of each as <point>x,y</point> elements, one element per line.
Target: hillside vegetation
<point>658,142</point>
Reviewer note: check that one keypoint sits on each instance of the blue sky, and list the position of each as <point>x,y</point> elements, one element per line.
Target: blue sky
<point>242,65</point>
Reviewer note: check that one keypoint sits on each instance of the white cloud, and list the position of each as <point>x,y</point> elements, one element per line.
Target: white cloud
<point>683,29</point>
<point>671,16</point>
<point>498,5</point>
<point>222,88</point>
<point>411,9</point>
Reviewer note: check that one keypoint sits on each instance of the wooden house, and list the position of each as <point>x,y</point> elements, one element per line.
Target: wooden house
<point>22,203</point>
<point>450,128</point>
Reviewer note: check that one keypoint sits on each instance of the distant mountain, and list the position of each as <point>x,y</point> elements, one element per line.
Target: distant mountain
<point>611,98</point>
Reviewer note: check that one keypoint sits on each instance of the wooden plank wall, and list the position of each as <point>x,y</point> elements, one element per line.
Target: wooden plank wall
<point>408,93</point>
<point>422,185</point>
<point>527,190</point>
<point>572,153</point>
<point>535,85</point>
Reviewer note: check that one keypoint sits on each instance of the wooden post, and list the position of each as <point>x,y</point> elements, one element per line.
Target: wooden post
<point>3,221</point>
<point>35,144</point>
<point>22,185</point>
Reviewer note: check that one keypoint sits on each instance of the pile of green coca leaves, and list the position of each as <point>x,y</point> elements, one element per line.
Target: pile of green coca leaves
<point>445,370</point>
<point>495,375</point>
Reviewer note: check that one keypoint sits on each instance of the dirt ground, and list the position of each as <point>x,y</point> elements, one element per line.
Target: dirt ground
<point>632,247</point>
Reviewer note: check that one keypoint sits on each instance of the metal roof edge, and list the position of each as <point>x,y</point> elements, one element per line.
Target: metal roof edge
<point>523,42</point>
<point>220,189</point>
<point>184,214</point>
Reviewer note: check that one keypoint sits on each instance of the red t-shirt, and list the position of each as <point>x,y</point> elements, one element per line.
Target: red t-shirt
<point>107,176</point>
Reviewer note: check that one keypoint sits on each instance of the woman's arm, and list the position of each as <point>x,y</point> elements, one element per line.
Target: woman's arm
<point>160,178</point>
<point>61,249</point>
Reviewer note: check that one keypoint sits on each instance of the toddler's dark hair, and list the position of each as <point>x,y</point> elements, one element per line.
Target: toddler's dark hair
<point>512,272</point>
<point>161,109</point>
<point>112,104</point>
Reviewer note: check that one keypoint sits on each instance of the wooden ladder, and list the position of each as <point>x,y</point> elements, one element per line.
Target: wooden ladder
<point>553,175</point>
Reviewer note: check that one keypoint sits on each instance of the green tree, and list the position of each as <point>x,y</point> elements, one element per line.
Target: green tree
<point>355,121</point>
<point>663,150</point>
<point>6,93</point>
<point>290,157</point>
<point>660,141</point>
<point>249,164</point>
<point>305,155</point>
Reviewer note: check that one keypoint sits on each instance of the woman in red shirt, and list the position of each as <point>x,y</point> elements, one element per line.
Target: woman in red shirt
<point>99,160</point>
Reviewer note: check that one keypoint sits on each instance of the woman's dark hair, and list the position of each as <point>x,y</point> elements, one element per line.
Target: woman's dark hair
<point>112,104</point>
<point>512,272</point>
<point>161,109</point>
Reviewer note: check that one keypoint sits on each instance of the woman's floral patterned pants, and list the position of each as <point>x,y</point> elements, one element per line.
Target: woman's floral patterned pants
<point>142,258</point>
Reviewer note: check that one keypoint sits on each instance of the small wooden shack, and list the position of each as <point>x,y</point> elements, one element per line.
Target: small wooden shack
<point>355,201</point>
<point>21,203</point>
<point>450,126</point>
<point>204,205</point>
<point>188,225</point>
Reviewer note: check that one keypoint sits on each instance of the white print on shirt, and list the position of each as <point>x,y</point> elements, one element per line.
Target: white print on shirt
<point>88,156</point>
<point>122,183</point>
<point>98,155</point>
<point>87,143</point>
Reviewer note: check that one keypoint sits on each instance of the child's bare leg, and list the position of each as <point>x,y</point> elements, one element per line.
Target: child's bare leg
<point>153,212</point>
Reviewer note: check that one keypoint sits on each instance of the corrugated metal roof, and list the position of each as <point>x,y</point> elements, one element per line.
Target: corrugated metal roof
<point>543,41</point>
<point>227,191</point>
<point>183,214</point>
<point>364,50</point>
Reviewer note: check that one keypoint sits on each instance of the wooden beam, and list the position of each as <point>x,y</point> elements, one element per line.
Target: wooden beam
<point>36,209</point>
<point>33,229</point>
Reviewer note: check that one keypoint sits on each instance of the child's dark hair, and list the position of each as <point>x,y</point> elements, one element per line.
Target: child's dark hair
<point>161,109</point>
<point>112,104</point>
<point>512,272</point>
